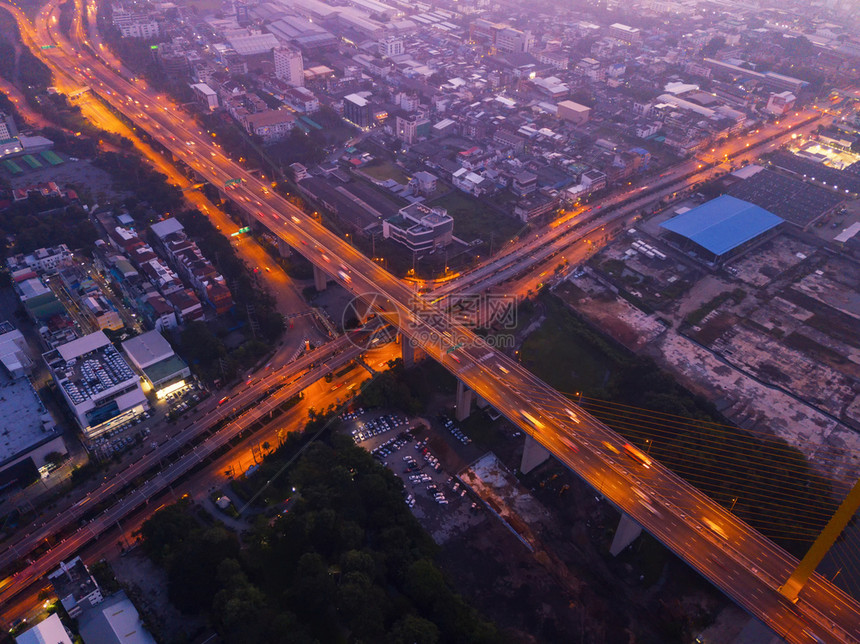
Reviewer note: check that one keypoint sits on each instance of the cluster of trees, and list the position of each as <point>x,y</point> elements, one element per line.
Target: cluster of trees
<point>45,221</point>
<point>406,389</point>
<point>794,501</point>
<point>131,174</point>
<point>348,562</point>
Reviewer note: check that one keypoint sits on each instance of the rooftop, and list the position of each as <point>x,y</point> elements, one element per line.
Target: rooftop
<point>355,98</point>
<point>48,630</point>
<point>88,366</point>
<point>722,224</point>
<point>24,421</point>
<point>160,371</point>
<point>166,227</point>
<point>147,349</point>
<point>114,621</point>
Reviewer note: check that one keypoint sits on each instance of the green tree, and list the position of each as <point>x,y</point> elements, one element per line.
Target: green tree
<point>412,629</point>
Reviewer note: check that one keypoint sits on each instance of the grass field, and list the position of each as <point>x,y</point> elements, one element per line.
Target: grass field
<point>475,220</point>
<point>382,171</point>
<point>555,353</point>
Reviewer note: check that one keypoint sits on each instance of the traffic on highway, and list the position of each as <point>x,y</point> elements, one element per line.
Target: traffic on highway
<point>740,561</point>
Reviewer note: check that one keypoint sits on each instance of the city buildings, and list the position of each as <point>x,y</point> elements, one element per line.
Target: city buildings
<point>155,360</point>
<point>8,129</point>
<point>134,25</point>
<point>75,587</point>
<point>100,389</point>
<point>189,261</point>
<point>391,46</point>
<point>269,125</point>
<point>625,33</point>
<point>289,66</point>
<point>419,228</point>
<point>357,110</point>
<point>207,96</point>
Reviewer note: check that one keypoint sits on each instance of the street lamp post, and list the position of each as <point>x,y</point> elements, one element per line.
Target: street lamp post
<point>734,500</point>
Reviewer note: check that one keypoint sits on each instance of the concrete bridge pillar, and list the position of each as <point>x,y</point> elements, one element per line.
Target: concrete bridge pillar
<point>407,350</point>
<point>533,455</point>
<point>464,401</point>
<point>320,278</point>
<point>284,249</point>
<point>626,533</point>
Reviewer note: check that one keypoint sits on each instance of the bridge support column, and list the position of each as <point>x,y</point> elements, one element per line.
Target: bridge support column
<point>626,533</point>
<point>464,401</point>
<point>284,249</point>
<point>407,350</point>
<point>533,455</point>
<point>320,278</point>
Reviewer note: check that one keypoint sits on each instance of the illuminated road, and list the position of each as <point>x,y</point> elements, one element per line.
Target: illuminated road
<point>243,453</point>
<point>568,231</point>
<point>285,383</point>
<point>744,564</point>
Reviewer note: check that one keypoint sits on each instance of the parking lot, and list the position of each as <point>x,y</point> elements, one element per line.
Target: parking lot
<point>437,498</point>
<point>122,438</point>
<point>139,431</point>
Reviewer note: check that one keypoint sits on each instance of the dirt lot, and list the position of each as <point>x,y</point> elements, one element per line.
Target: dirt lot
<point>78,173</point>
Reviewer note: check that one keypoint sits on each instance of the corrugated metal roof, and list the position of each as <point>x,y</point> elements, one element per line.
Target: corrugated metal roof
<point>723,223</point>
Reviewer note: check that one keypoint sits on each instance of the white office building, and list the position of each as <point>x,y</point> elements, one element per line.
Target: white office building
<point>100,388</point>
<point>289,66</point>
<point>391,47</point>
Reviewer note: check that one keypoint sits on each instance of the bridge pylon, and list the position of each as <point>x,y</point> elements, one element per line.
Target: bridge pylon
<point>320,278</point>
<point>464,401</point>
<point>407,350</point>
<point>626,533</point>
<point>284,249</point>
<point>795,583</point>
<point>533,455</point>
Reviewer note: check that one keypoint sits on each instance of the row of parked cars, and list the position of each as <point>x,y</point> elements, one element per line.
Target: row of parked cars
<point>350,415</point>
<point>383,450</point>
<point>428,456</point>
<point>438,495</point>
<point>455,430</point>
<point>107,447</point>
<point>376,426</point>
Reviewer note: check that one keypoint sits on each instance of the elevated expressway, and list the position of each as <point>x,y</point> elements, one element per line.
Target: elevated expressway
<point>745,565</point>
<point>161,466</point>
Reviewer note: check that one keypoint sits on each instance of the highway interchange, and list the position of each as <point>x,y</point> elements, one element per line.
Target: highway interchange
<point>741,562</point>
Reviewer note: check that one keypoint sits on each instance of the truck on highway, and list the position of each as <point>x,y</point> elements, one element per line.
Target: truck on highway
<point>637,454</point>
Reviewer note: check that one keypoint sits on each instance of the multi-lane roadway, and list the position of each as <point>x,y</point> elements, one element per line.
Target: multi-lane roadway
<point>214,428</point>
<point>745,565</point>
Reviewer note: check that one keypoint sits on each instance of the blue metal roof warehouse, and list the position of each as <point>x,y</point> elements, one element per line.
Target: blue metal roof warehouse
<point>723,224</point>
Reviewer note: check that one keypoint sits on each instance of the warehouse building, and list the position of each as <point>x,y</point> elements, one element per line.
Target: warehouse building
<point>720,229</point>
<point>153,357</point>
